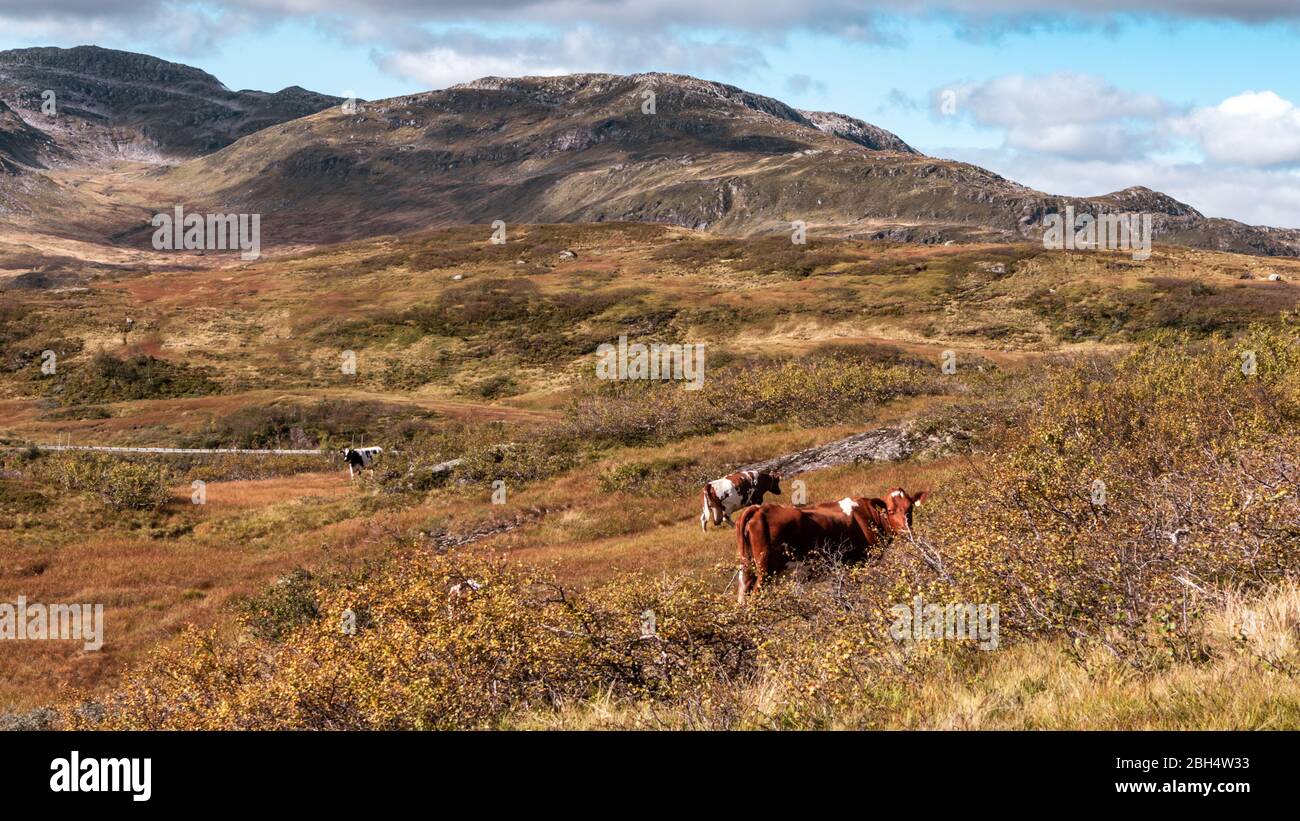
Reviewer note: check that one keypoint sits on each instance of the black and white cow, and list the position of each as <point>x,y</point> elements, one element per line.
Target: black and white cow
<point>360,459</point>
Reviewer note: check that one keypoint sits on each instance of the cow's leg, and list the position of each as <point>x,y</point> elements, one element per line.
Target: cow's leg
<point>704,519</point>
<point>762,548</point>
<point>757,559</point>
<point>744,556</point>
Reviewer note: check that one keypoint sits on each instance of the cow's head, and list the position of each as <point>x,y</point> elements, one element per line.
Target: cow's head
<point>896,509</point>
<point>774,483</point>
<point>345,451</point>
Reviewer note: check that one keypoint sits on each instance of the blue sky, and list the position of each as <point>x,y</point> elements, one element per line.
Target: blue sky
<point>1197,99</point>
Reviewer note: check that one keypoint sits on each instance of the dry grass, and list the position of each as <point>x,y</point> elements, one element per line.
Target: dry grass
<point>156,574</point>
<point>1043,685</point>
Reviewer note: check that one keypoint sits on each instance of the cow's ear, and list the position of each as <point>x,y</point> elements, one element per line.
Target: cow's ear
<point>880,504</point>
<point>920,497</point>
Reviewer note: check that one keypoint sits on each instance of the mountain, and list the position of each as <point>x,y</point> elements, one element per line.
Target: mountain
<point>121,104</point>
<point>581,148</point>
<point>651,147</point>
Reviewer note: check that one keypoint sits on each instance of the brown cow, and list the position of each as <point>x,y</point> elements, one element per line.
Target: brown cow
<point>723,497</point>
<point>769,536</point>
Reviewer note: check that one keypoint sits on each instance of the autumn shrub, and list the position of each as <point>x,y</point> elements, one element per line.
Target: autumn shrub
<point>440,640</point>
<point>820,391</point>
<point>106,378</point>
<point>122,484</point>
<point>283,607</point>
<point>1136,488</point>
<point>327,423</point>
<point>446,642</point>
<point>134,486</point>
<point>226,467</point>
<point>531,457</point>
<point>664,477</point>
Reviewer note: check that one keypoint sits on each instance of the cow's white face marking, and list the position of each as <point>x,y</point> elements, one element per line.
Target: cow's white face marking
<point>847,504</point>
<point>896,493</point>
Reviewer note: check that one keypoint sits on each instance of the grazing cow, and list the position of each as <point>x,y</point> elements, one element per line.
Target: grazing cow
<point>723,497</point>
<point>360,459</point>
<point>768,537</point>
<point>463,588</point>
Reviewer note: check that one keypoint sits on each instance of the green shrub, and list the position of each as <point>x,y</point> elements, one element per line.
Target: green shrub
<point>823,390</point>
<point>121,483</point>
<point>284,606</point>
<point>327,424</point>
<point>495,387</point>
<point>105,378</point>
<point>657,477</point>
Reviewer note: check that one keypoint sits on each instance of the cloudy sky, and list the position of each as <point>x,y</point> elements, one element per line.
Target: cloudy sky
<point>1200,99</point>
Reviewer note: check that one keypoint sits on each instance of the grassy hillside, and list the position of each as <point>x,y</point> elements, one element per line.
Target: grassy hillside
<point>1107,620</point>
<point>1072,367</point>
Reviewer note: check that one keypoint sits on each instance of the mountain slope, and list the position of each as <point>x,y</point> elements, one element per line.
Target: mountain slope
<point>121,104</point>
<point>20,143</point>
<point>580,148</point>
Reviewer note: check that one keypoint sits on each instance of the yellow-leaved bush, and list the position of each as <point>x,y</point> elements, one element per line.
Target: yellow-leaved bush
<point>1138,486</point>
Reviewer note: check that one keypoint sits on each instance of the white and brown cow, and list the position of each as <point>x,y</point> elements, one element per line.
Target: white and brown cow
<point>360,459</point>
<point>723,497</point>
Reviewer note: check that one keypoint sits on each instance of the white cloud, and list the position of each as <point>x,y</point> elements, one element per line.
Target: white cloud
<point>1256,196</point>
<point>442,67</point>
<point>455,56</point>
<point>1017,101</point>
<point>851,20</point>
<point>1253,128</point>
<point>800,84</point>
<point>1064,114</point>
<point>1078,135</point>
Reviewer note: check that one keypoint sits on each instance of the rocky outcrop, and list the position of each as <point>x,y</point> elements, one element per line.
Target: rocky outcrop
<point>855,130</point>
<point>881,445</point>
